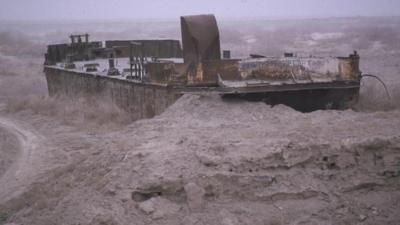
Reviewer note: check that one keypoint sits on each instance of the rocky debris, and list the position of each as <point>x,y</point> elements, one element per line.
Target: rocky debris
<point>374,210</point>
<point>228,218</point>
<point>363,217</point>
<point>103,219</point>
<point>195,196</point>
<point>168,188</point>
<point>147,206</point>
<point>159,207</point>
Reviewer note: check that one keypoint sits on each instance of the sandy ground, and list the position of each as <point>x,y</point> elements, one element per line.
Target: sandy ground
<point>203,161</point>
<point>20,148</point>
<point>9,146</point>
<point>208,161</point>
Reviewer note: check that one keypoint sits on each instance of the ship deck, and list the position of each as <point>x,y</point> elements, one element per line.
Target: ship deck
<point>224,86</point>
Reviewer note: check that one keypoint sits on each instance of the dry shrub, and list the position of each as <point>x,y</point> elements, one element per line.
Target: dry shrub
<point>23,88</point>
<point>373,97</point>
<point>84,112</point>
<point>21,77</point>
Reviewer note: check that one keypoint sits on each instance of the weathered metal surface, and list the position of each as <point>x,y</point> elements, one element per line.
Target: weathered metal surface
<point>226,54</point>
<point>77,39</point>
<point>349,67</point>
<point>272,88</point>
<point>293,68</point>
<point>55,53</point>
<point>206,73</point>
<point>77,52</point>
<point>85,50</point>
<point>150,48</point>
<point>159,73</point>
<point>305,100</point>
<point>200,38</point>
<point>91,67</point>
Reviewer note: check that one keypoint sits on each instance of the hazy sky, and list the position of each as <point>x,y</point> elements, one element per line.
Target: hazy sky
<point>115,9</point>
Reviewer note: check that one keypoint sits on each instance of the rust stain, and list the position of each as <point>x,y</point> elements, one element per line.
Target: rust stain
<point>349,67</point>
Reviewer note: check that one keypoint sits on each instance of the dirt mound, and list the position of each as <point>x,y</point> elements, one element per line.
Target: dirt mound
<point>210,161</point>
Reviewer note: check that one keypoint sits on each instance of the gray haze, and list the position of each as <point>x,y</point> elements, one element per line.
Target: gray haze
<point>113,9</point>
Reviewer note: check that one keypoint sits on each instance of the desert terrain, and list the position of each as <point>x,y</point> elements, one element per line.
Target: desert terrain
<point>205,160</point>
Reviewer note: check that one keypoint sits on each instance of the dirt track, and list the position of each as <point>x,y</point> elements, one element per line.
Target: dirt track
<point>10,147</point>
<point>22,167</point>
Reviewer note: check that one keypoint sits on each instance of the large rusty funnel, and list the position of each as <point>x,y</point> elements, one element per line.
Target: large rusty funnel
<point>200,38</point>
<point>349,67</point>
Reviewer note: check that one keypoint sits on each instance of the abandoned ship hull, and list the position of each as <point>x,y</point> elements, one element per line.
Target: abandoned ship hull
<point>140,100</point>
<point>144,77</point>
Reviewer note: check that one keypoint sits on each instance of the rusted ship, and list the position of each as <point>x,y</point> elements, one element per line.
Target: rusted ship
<point>146,76</point>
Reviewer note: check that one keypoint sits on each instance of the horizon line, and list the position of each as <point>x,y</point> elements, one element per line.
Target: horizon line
<point>170,19</point>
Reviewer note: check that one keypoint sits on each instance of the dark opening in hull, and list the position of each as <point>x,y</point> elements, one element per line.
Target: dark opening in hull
<point>305,100</point>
